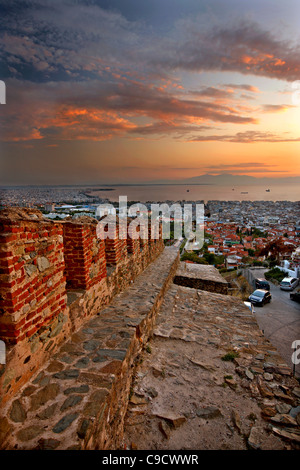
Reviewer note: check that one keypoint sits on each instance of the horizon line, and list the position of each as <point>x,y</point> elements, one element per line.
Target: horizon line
<point>181,182</point>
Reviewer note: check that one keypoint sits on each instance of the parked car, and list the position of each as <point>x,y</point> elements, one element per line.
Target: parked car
<point>289,283</point>
<point>260,297</point>
<point>295,296</point>
<point>262,284</point>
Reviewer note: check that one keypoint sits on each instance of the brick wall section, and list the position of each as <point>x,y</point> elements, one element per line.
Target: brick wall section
<point>133,244</point>
<point>151,240</point>
<point>115,245</point>
<point>143,237</point>
<point>84,254</point>
<point>53,278</point>
<point>32,292</point>
<point>121,330</point>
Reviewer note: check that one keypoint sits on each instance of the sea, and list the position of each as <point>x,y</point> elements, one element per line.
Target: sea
<point>203,192</point>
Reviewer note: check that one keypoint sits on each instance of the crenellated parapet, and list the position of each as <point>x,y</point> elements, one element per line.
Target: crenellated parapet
<point>32,289</point>
<point>55,275</point>
<point>84,254</point>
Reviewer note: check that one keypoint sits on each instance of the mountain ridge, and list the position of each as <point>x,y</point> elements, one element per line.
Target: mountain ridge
<point>229,179</point>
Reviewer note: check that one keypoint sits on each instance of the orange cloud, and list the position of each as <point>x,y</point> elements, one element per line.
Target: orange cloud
<point>246,137</point>
<point>87,124</point>
<point>27,134</point>
<point>100,112</point>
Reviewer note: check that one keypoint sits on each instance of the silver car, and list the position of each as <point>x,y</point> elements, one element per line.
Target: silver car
<point>289,283</point>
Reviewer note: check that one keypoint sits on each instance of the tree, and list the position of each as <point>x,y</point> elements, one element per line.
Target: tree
<point>256,233</point>
<point>276,248</point>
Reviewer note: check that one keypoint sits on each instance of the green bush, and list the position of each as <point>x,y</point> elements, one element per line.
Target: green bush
<point>272,263</point>
<point>193,257</point>
<point>225,270</point>
<point>257,263</point>
<point>275,273</point>
<point>230,356</point>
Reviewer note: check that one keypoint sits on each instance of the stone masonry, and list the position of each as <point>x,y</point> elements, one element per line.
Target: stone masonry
<point>78,400</point>
<point>110,354</point>
<point>54,276</point>
<point>209,380</point>
<point>200,276</point>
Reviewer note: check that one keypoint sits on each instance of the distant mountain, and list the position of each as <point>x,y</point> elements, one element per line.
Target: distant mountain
<point>226,179</point>
<point>223,179</point>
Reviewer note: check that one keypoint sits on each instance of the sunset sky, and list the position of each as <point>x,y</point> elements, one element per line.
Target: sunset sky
<point>121,91</point>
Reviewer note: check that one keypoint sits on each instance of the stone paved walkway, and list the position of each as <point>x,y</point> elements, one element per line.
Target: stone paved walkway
<point>185,395</point>
<point>210,380</point>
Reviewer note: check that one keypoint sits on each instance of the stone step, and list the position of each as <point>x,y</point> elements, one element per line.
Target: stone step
<point>210,380</point>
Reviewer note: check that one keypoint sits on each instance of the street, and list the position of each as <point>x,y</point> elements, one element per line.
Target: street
<point>280,322</point>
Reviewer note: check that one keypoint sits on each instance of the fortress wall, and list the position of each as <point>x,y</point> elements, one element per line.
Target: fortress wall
<point>55,275</point>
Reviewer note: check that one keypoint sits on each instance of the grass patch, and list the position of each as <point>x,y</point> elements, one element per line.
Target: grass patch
<point>230,356</point>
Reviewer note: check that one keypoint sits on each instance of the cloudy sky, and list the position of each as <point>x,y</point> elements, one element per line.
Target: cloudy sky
<point>102,91</point>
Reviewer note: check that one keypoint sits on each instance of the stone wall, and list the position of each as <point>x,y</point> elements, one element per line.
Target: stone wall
<point>252,273</point>
<point>32,277</point>
<point>84,254</point>
<point>78,399</point>
<point>201,277</point>
<point>54,275</point>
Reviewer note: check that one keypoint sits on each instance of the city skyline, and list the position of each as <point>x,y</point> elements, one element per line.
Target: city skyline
<point>134,92</point>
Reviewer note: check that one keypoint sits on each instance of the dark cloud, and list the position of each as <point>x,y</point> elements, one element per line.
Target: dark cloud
<point>168,128</point>
<point>244,47</point>
<point>82,70</point>
<point>276,108</point>
<point>213,92</point>
<point>245,167</point>
<point>64,40</point>
<point>46,40</point>
<point>240,165</point>
<point>246,171</point>
<point>246,137</point>
<point>244,87</point>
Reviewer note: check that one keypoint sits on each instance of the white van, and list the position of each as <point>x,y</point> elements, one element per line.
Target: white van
<point>289,283</point>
